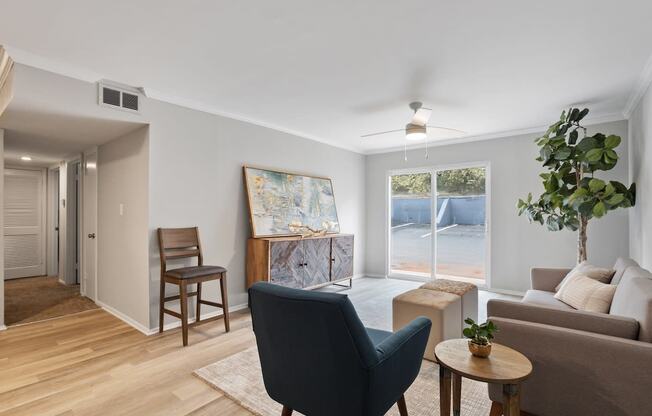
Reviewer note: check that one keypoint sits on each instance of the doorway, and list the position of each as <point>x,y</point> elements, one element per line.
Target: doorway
<point>43,241</point>
<point>438,223</point>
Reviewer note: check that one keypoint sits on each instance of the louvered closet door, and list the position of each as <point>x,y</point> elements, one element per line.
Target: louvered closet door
<point>24,223</point>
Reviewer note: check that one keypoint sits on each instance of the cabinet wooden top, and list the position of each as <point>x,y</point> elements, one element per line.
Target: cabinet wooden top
<point>298,237</point>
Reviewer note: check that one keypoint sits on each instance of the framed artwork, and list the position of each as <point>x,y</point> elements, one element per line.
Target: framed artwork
<point>283,203</point>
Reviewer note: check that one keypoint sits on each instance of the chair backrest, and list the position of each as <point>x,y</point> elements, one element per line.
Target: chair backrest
<point>314,351</point>
<point>633,299</point>
<point>179,243</point>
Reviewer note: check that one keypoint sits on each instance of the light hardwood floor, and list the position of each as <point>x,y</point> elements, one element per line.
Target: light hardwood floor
<point>94,364</point>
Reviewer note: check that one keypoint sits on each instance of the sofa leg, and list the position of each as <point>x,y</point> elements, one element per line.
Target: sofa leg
<point>496,409</point>
<point>402,408</point>
<point>286,411</point>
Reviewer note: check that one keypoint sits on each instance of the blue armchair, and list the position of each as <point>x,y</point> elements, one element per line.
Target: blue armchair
<point>318,359</point>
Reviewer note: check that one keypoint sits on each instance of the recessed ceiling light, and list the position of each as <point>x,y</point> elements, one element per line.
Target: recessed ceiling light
<point>26,158</point>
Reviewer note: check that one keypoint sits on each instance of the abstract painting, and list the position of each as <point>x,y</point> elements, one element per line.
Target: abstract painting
<point>281,202</point>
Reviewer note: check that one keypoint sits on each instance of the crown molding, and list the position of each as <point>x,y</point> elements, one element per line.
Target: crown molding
<point>641,86</point>
<point>607,118</point>
<point>207,108</point>
<point>71,71</point>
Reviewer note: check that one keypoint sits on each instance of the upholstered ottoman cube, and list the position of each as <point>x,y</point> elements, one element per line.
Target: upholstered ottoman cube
<point>467,291</point>
<point>443,309</point>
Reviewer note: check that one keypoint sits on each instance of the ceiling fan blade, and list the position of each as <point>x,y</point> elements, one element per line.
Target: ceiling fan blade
<point>421,116</point>
<point>447,129</point>
<point>382,132</point>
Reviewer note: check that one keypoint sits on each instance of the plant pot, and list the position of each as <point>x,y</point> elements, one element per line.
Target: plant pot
<point>481,351</point>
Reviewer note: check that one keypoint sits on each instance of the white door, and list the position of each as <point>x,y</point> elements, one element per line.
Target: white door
<point>89,221</point>
<point>24,227</point>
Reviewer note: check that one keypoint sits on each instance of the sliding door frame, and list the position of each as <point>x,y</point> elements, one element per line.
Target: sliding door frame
<point>432,170</point>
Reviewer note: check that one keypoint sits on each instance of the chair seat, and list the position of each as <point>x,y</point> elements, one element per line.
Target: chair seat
<point>195,271</point>
<point>543,298</point>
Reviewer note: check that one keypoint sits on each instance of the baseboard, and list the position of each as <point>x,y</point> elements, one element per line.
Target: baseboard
<point>505,292</point>
<point>204,316</point>
<point>3,328</point>
<point>123,317</point>
<point>375,276</point>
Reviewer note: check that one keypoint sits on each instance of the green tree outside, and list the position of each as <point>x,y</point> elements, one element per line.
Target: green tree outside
<point>469,181</point>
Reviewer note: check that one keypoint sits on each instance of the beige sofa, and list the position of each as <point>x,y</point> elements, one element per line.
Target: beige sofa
<point>583,363</point>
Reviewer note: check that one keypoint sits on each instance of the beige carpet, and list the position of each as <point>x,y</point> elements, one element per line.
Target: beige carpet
<point>239,377</point>
<point>32,299</point>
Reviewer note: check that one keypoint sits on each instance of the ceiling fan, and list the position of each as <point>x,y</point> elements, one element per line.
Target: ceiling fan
<point>418,128</point>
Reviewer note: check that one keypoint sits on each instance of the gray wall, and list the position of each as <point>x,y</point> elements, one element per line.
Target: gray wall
<point>122,243</point>
<point>640,133</point>
<point>196,164</point>
<point>516,245</point>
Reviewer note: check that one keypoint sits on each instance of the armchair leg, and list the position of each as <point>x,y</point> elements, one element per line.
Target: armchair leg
<point>402,408</point>
<point>286,411</point>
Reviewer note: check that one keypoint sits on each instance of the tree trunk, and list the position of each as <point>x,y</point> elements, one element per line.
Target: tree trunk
<point>581,239</point>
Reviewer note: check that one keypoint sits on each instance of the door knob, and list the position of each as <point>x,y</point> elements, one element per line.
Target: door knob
<point>91,235</point>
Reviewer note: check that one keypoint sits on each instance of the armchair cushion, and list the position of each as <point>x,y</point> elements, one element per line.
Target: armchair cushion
<point>622,264</point>
<point>633,299</point>
<point>543,298</point>
<point>547,279</point>
<point>600,274</point>
<point>599,323</point>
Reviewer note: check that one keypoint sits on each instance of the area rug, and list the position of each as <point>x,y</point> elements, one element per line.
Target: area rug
<point>239,377</point>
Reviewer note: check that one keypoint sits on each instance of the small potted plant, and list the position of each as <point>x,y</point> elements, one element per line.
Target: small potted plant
<point>480,337</point>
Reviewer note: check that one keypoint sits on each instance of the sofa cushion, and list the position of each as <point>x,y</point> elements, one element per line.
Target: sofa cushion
<point>622,263</point>
<point>543,298</point>
<point>633,299</point>
<point>598,273</point>
<point>586,294</point>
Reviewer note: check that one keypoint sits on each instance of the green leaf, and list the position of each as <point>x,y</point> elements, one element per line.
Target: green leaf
<point>616,199</point>
<point>596,185</point>
<point>594,155</point>
<point>609,189</point>
<point>587,144</point>
<point>468,333</point>
<point>572,138</point>
<point>563,153</point>
<point>582,114</point>
<point>599,209</point>
<point>612,141</point>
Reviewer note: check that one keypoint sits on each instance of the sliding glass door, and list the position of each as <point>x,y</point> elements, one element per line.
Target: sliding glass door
<point>438,223</point>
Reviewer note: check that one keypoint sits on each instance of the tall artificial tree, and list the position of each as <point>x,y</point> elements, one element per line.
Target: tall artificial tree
<point>572,194</point>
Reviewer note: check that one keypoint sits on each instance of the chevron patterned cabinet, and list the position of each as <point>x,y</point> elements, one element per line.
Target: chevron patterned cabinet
<point>304,263</point>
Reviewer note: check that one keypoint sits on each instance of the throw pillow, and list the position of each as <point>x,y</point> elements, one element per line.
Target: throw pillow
<point>586,294</point>
<point>598,273</point>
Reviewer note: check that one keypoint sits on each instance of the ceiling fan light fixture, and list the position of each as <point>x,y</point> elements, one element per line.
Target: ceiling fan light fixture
<point>415,132</point>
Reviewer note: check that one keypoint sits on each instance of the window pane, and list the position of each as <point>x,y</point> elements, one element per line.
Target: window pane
<point>410,238</point>
<point>461,224</point>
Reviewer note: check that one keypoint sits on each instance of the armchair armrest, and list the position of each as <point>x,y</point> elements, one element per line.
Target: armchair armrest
<point>579,373</point>
<point>400,357</point>
<point>599,323</point>
<point>547,278</point>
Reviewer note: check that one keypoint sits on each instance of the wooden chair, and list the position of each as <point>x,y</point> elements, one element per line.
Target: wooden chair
<point>179,243</point>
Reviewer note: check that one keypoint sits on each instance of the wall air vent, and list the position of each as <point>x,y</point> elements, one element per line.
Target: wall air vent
<point>123,98</point>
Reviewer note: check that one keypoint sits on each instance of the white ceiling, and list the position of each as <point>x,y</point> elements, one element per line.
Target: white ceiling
<point>334,70</point>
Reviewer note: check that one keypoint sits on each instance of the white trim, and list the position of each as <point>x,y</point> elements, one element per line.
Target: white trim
<point>3,328</point>
<point>504,291</point>
<point>607,118</point>
<point>207,108</point>
<point>642,84</point>
<point>204,316</point>
<point>126,319</point>
<point>67,70</point>
<point>375,276</point>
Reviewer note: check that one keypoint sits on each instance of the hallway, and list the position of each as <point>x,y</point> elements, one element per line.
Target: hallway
<point>32,299</point>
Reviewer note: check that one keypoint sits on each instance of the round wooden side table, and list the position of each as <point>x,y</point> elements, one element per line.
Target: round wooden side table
<point>504,366</point>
